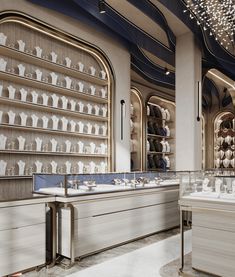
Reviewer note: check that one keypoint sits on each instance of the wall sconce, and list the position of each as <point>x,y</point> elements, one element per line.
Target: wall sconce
<point>123,114</point>
<point>102,7</point>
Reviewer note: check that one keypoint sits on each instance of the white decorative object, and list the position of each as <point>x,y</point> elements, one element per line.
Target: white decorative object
<point>92,147</point>
<point>217,163</point>
<point>53,145</point>
<point>102,167</point>
<point>228,154</point>
<point>232,162</point>
<point>1,113</point>
<point>92,70</point>
<point>3,140</point>
<point>3,166</point>
<point>3,39</point>
<point>168,116</point>
<point>1,87</point>
<point>80,66</point>
<point>72,126</point>
<point>64,102</point>
<point>226,163</point>
<point>218,183</point>
<point>97,129</point>
<point>218,123</point>
<point>45,99</point>
<point>23,94</point>
<point>168,163</point>
<point>89,108</point>
<point>38,165</point>
<point>45,120</point>
<point>67,146</point>
<point>68,82</point>
<point>80,167</point>
<point>148,146</point>
<point>11,117</point>
<point>205,184</point>
<point>233,186</point>
<point>38,51</point>
<point>103,148</point>
<point>168,132</point>
<point>11,91</point>
<point>34,97</point>
<point>3,65</point>
<point>53,167</point>
<point>23,119</point>
<point>34,120</point>
<point>80,127</point>
<point>64,123</point>
<point>221,152</point>
<point>89,128</point>
<point>97,110</point>
<point>228,139</point>
<point>67,62</point>
<point>72,105</point>
<point>102,74</point>
<point>163,143</point>
<point>55,121</point>
<point>38,74</point>
<point>21,141</point>
<point>80,106</point>
<point>92,90</point>
<point>80,86</point>
<point>104,111</point>
<point>103,93</point>
<point>68,167</point>
<point>104,130</point>
<point>148,110</point>
<point>163,113</point>
<point>21,68</point>
<point>168,148</point>
<point>80,147</point>
<point>92,166</point>
<point>21,45</point>
<point>38,144</point>
<point>21,166</point>
<point>55,100</point>
<point>53,57</point>
<point>53,78</point>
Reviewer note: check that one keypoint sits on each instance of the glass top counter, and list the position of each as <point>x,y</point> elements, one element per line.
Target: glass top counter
<point>68,185</point>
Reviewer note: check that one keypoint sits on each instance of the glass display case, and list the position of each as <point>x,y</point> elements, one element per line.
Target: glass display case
<point>82,184</point>
<point>209,184</point>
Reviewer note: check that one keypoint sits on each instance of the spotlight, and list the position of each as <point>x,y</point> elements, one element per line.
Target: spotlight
<point>102,8</point>
<point>166,70</point>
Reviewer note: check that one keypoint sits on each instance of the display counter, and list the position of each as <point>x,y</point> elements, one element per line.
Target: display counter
<point>211,199</point>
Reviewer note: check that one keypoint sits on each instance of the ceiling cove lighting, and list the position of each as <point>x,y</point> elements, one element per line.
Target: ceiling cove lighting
<point>102,6</point>
<point>217,16</point>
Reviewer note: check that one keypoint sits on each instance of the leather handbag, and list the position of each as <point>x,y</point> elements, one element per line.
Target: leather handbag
<point>158,146</point>
<point>157,112</point>
<point>151,163</point>
<point>152,145</point>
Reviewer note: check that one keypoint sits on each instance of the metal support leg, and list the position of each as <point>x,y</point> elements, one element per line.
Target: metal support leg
<point>181,240</point>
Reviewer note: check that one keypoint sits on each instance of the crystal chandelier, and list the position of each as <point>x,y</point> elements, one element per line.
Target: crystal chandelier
<point>216,16</point>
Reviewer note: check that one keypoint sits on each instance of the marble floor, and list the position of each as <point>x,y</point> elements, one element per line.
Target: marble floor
<point>153,256</point>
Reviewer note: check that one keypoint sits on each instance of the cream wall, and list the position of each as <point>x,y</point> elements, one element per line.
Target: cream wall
<point>118,56</point>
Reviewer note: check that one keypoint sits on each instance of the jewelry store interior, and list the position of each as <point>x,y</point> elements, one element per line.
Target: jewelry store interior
<point>117,138</point>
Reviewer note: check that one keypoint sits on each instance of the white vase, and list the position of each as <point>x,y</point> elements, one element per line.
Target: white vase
<point>103,148</point>
<point>168,132</point>
<point>11,117</point>
<point>104,111</point>
<point>102,74</point>
<point>1,113</point>
<point>80,147</point>
<point>38,75</point>
<point>67,62</point>
<point>80,86</point>
<point>3,64</point>
<point>163,113</point>
<point>68,82</point>
<point>102,167</point>
<point>163,145</point>
<point>3,140</point>
<point>92,147</point>
<point>226,163</point>
<point>64,123</point>
<point>23,94</point>
<point>232,162</point>
<point>3,166</point>
<point>64,102</point>
<point>45,99</point>
<point>3,39</point>
<point>21,69</point>
<point>92,166</point>
<point>55,121</point>
<point>55,100</point>
<point>104,130</point>
<point>68,167</point>
<point>21,141</point>
<point>80,127</point>
<point>103,93</point>
<point>53,78</point>
<point>72,105</point>
<point>217,163</point>
<point>92,90</point>
<point>53,167</point>
<point>45,122</point>
<point>21,166</point>
<point>21,45</point>
<point>67,146</point>
<point>221,152</point>
<point>97,110</point>
<point>1,87</point>
<point>80,167</point>
<point>53,145</point>
<point>228,139</point>
<point>80,106</point>
<point>92,70</point>
<point>38,51</point>
<point>34,120</point>
<point>89,128</point>
<point>11,91</point>
<point>80,66</point>
<point>168,163</point>
<point>72,126</point>
<point>34,97</point>
<point>53,57</point>
<point>97,129</point>
<point>38,165</point>
<point>168,116</point>
<point>228,154</point>
<point>23,119</point>
<point>218,183</point>
<point>38,144</point>
<point>89,108</point>
<point>168,148</point>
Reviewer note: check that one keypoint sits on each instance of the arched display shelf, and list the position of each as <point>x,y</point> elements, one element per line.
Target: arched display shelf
<point>55,101</point>
<point>136,127</point>
<point>160,134</point>
<point>224,140</point>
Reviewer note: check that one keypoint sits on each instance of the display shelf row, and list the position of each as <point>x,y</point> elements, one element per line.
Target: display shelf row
<point>26,81</point>
<point>162,153</point>
<point>40,107</point>
<point>48,64</point>
<point>158,136</point>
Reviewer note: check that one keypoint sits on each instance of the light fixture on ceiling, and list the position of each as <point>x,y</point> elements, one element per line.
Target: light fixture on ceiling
<point>102,6</point>
<point>167,71</point>
<point>217,16</point>
<point>222,79</point>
